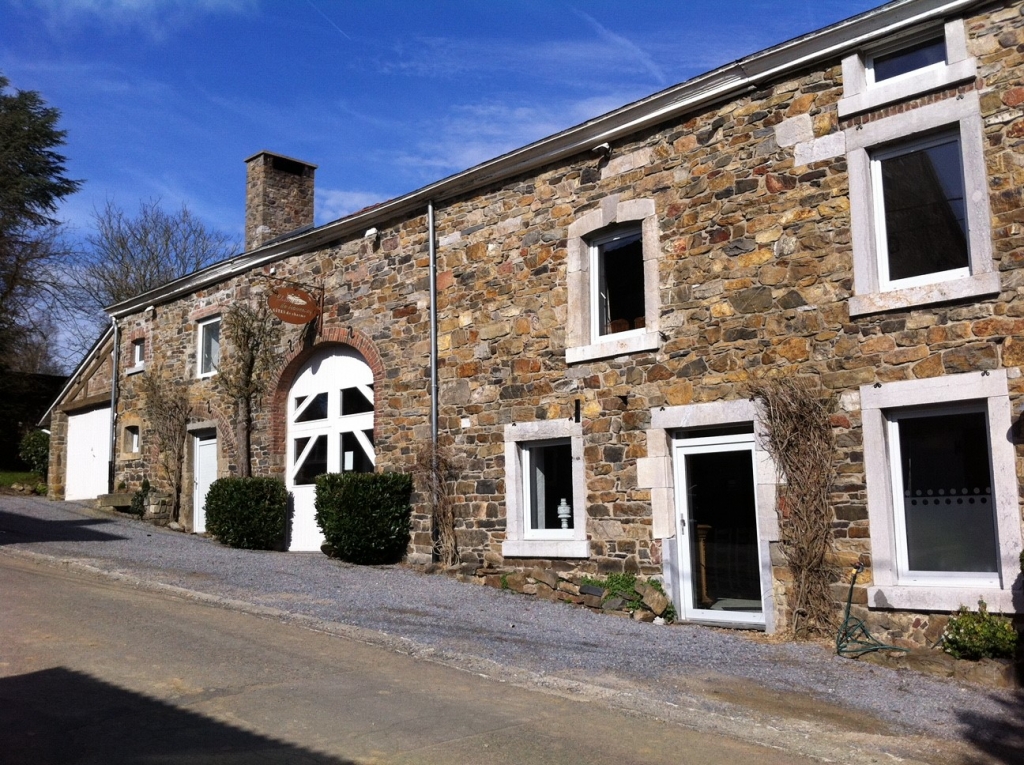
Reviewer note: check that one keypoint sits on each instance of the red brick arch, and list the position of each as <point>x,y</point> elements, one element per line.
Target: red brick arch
<point>334,336</point>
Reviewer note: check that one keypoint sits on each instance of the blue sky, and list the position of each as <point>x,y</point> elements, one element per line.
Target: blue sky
<point>166,98</point>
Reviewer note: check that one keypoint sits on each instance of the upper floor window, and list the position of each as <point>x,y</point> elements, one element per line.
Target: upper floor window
<point>921,215</point>
<point>919,209</point>
<point>919,62</point>
<point>906,59</point>
<point>612,270</point>
<point>618,291</point>
<point>209,347</point>
<point>138,356</point>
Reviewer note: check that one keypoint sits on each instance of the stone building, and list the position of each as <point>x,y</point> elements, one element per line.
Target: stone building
<point>844,208</point>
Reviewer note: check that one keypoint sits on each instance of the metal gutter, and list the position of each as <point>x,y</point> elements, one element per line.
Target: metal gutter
<point>113,406</point>
<point>706,89</point>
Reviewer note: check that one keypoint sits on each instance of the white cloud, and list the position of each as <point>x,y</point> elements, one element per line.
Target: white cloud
<point>153,17</point>
<point>332,204</point>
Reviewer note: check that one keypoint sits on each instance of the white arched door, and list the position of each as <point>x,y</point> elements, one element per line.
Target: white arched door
<point>330,430</point>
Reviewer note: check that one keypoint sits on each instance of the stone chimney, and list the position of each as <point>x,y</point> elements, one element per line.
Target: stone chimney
<point>278,197</point>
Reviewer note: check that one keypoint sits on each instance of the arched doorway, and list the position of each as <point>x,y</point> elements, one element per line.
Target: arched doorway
<point>330,430</point>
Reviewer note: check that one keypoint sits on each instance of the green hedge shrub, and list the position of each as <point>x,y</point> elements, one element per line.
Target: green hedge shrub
<point>34,449</point>
<point>364,516</point>
<point>251,513</point>
<point>979,635</point>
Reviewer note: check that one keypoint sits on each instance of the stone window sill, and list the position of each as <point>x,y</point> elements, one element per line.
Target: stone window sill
<point>135,370</point>
<point>647,341</point>
<point>538,548</point>
<point>945,598</point>
<point>888,92</point>
<point>973,286</point>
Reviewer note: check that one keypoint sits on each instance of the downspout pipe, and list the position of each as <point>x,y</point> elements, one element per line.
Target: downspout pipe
<point>113,407</point>
<point>433,326</point>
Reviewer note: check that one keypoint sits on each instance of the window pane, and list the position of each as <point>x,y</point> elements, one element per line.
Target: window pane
<point>550,479</point>
<point>354,401</point>
<point>317,409</point>
<point>211,347</point>
<point>620,265</point>
<point>315,463</point>
<point>354,457</point>
<point>908,59</point>
<point>947,493</point>
<point>925,216</point>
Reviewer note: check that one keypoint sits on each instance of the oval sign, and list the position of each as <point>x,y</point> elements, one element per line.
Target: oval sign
<point>293,306</point>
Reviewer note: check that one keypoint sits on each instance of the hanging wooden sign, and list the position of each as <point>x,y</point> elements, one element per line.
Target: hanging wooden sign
<point>293,306</point>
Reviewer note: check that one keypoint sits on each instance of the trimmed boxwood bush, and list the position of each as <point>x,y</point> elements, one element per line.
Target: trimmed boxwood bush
<point>250,513</point>
<point>364,516</point>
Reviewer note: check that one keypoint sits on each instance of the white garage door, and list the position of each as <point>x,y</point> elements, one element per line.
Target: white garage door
<point>88,454</point>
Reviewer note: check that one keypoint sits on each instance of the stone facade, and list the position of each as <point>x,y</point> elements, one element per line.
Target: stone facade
<point>745,208</point>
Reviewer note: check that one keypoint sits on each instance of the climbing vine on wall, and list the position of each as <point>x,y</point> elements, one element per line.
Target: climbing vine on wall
<point>436,473</point>
<point>168,412</point>
<point>797,432</point>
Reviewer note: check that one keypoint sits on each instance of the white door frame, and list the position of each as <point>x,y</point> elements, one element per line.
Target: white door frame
<point>685,528</point>
<point>202,446</point>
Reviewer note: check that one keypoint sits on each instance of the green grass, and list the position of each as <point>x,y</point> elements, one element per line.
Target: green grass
<point>10,477</point>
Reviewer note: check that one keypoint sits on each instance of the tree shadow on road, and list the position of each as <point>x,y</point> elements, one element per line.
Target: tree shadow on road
<point>62,716</point>
<point>1000,737</point>
<point>17,529</point>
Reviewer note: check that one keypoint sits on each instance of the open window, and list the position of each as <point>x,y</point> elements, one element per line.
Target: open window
<point>614,297</point>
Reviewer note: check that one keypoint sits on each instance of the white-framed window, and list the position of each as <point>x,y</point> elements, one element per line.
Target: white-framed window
<point>614,295</point>
<point>545,490</point>
<point>208,347</point>
<point>920,212</point>
<point>942,492</point>
<point>617,290</point>
<point>913,63</point>
<point>919,208</point>
<point>132,443</point>
<point>138,355</point>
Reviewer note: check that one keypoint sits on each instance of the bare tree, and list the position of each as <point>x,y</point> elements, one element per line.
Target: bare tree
<point>251,357</point>
<point>127,255</point>
<point>436,473</point>
<point>168,412</point>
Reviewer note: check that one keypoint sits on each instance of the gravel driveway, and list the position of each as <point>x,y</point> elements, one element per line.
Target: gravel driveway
<point>686,673</point>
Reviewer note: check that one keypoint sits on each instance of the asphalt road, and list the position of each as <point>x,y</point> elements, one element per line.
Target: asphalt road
<point>657,683</point>
<point>95,672</point>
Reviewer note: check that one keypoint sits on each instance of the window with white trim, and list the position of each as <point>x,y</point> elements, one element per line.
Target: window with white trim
<point>919,208</point>
<point>614,295</point>
<point>942,495</point>
<point>138,354</point>
<point>920,215</point>
<point>545,490</point>
<point>942,492</point>
<point>916,62</point>
<point>208,347</point>
<point>132,443</point>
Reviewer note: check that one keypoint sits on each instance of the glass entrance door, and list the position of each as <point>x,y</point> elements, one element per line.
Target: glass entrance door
<point>717,529</point>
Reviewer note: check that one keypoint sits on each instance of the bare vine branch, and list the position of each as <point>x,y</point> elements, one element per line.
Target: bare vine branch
<point>798,433</point>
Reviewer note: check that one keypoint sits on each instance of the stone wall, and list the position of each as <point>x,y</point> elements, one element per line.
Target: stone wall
<point>755,273</point>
